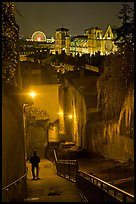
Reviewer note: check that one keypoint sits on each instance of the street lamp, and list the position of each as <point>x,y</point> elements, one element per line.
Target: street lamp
<point>32,94</point>
<point>70,116</point>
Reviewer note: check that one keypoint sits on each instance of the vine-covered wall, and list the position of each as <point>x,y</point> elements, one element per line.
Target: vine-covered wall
<point>10,54</point>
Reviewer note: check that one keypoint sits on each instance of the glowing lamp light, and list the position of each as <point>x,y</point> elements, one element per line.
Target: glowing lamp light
<point>60,113</point>
<point>32,94</point>
<point>70,116</point>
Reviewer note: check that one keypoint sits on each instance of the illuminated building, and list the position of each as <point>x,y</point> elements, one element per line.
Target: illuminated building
<point>78,99</point>
<point>78,45</point>
<point>99,42</point>
<point>37,43</point>
<point>91,42</point>
<point>61,39</point>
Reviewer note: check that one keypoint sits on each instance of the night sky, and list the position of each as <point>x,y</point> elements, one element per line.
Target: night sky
<point>76,16</point>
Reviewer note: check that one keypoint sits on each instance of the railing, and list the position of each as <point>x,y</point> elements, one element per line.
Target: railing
<point>50,154</point>
<point>55,155</point>
<point>10,192</point>
<point>95,189</point>
<point>92,189</point>
<point>66,168</point>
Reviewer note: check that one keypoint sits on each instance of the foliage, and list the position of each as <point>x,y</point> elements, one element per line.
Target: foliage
<point>33,111</point>
<point>118,76</point>
<point>115,82</point>
<point>111,88</point>
<point>38,55</point>
<point>97,60</point>
<point>125,43</point>
<point>125,37</point>
<point>9,44</point>
<point>125,32</point>
<point>63,58</point>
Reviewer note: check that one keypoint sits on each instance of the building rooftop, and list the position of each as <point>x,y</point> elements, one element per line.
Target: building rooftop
<point>80,36</point>
<point>85,81</point>
<point>80,73</point>
<point>86,84</point>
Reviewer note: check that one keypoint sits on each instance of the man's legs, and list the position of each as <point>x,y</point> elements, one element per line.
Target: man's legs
<point>33,173</point>
<point>37,171</point>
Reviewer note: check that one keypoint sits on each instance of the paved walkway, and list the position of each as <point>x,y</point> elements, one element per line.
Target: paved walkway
<point>50,187</point>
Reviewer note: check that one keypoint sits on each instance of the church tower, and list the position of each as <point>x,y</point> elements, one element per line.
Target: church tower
<point>94,40</point>
<point>61,40</point>
<point>67,45</point>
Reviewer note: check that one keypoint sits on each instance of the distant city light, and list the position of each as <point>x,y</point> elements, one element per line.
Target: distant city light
<point>38,38</point>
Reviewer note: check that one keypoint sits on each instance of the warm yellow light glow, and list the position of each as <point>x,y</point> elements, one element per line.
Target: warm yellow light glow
<point>70,116</point>
<point>60,113</point>
<point>32,93</point>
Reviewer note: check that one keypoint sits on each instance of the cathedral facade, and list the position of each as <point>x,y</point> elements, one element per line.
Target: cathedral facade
<point>93,41</point>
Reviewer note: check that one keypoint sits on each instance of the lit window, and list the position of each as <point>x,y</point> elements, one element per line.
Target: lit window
<point>98,35</point>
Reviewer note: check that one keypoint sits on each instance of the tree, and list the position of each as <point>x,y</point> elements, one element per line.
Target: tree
<point>125,42</point>
<point>33,111</point>
<point>115,82</point>
<point>10,54</point>
<point>125,32</point>
<point>97,60</point>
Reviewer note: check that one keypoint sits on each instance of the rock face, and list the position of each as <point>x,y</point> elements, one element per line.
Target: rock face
<point>114,139</point>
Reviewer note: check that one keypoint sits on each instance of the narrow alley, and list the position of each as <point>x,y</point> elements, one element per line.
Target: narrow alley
<point>50,187</point>
<point>67,100</point>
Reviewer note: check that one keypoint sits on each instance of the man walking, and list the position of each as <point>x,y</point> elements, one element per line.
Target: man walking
<point>35,160</point>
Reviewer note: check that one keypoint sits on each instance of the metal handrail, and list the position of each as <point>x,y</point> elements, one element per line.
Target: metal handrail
<point>66,161</point>
<point>106,186</point>
<point>55,155</point>
<point>66,168</point>
<point>63,160</point>
<point>14,182</point>
<point>113,191</point>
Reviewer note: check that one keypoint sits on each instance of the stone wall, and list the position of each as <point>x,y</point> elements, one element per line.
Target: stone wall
<point>37,138</point>
<point>115,146</point>
<point>39,133</point>
<point>113,139</point>
<point>13,156</point>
